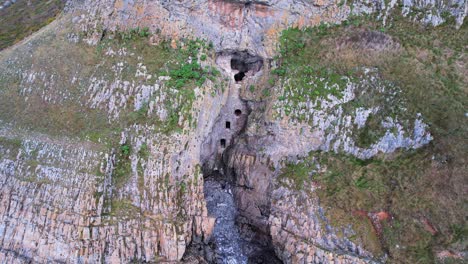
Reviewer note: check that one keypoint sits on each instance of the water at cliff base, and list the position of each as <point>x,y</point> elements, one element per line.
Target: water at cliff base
<point>220,204</point>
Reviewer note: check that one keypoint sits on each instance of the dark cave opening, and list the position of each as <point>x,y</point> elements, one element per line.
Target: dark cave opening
<point>237,63</point>
<point>239,76</point>
<point>238,112</point>
<point>241,66</point>
<point>244,63</point>
<point>223,143</point>
<point>228,125</point>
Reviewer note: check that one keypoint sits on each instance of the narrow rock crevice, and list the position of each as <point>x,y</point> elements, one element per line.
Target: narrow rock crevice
<point>233,239</point>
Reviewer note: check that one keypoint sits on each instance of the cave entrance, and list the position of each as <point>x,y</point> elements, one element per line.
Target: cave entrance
<point>220,186</point>
<point>239,76</point>
<point>238,64</point>
<point>244,63</point>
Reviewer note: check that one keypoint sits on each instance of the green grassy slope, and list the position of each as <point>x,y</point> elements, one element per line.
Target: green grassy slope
<point>64,70</point>
<point>25,17</point>
<point>423,190</point>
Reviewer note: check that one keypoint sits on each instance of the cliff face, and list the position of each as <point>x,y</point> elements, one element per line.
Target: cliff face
<point>105,141</point>
<point>91,201</point>
<point>247,25</point>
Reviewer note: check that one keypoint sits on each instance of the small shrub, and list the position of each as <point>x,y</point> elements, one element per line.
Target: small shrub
<point>362,182</point>
<point>279,71</point>
<point>144,151</point>
<point>272,81</point>
<point>291,41</point>
<point>122,167</point>
<point>297,173</point>
<point>125,150</point>
<point>144,32</point>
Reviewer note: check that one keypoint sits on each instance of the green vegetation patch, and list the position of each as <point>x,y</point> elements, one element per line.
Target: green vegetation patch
<point>425,63</point>
<point>370,133</point>
<point>123,166</point>
<point>185,77</point>
<point>420,189</point>
<point>24,17</point>
<point>182,65</point>
<point>124,208</point>
<point>299,173</point>
<point>307,79</point>
<point>405,186</point>
<point>9,147</point>
<point>71,114</point>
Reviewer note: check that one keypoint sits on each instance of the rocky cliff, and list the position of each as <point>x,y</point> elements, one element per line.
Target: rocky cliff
<point>143,130</point>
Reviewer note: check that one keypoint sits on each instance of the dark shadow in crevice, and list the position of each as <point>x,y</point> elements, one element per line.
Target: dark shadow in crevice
<point>244,63</point>
<point>239,76</point>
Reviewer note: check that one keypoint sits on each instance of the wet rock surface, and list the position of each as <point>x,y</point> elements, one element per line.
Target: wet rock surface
<point>231,246</point>
<point>226,236</point>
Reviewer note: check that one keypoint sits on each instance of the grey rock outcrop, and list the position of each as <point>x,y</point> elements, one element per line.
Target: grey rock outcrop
<point>253,26</point>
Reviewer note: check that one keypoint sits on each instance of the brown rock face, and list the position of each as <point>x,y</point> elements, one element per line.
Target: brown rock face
<point>59,214</point>
<point>253,188</point>
<point>230,25</point>
<point>230,14</point>
<point>292,221</point>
